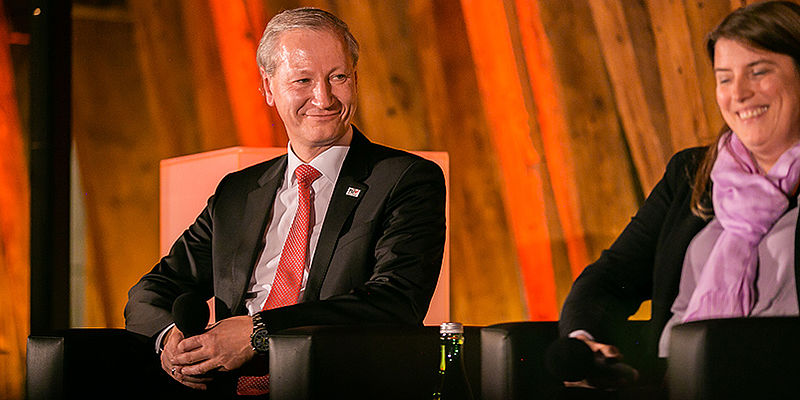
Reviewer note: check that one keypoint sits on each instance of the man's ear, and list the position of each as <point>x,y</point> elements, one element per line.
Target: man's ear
<point>266,90</point>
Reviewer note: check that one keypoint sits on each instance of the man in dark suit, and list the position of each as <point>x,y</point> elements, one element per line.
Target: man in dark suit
<point>358,241</point>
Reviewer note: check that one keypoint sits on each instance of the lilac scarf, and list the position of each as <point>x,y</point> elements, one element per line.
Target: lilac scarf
<point>747,204</point>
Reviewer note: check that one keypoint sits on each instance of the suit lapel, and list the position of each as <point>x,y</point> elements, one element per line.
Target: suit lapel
<point>257,210</point>
<point>348,192</point>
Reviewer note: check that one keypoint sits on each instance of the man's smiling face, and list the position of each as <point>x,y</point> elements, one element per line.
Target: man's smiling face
<point>314,90</point>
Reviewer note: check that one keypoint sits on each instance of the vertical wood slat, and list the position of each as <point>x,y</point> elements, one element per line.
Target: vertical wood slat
<point>702,17</point>
<point>164,66</point>
<point>118,162</point>
<point>484,271</point>
<point>390,108</point>
<point>216,127</point>
<point>687,120</point>
<point>553,129</point>
<point>522,168</point>
<point>14,229</point>
<point>259,13</point>
<point>237,40</point>
<point>603,177</point>
<point>642,38</point>
<point>646,150</point>
<point>559,254</point>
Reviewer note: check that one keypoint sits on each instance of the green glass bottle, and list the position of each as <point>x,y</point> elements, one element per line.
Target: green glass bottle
<point>453,383</point>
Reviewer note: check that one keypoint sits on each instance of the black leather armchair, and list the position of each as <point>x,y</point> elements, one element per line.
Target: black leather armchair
<point>92,363</point>
<point>512,358</point>
<point>379,362</point>
<point>387,362</point>
<point>512,361</point>
<point>755,358</point>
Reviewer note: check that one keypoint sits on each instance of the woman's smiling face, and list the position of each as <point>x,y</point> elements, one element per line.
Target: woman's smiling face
<point>758,94</point>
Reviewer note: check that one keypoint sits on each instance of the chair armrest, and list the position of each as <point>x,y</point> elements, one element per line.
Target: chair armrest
<point>386,362</point>
<point>45,367</point>
<point>735,358</point>
<point>91,363</point>
<point>512,357</point>
<point>512,361</point>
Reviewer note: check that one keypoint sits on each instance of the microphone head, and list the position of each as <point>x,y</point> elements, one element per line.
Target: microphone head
<point>569,359</point>
<point>190,312</point>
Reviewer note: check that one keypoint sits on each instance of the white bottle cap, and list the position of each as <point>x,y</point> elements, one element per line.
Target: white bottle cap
<point>451,327</point>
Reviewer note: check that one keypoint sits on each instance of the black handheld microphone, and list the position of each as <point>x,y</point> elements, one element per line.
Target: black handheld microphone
<point>572,360</point>
<point>190,312</point>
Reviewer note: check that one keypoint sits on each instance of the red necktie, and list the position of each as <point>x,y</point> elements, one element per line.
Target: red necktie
<point>289,276</point>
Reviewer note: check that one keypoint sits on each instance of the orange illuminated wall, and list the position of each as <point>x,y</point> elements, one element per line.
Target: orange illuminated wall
<point>558,118</point>
<point>14,227</point>
<point>238,26</point>
<point>553,128</point>
<point>522,165</point>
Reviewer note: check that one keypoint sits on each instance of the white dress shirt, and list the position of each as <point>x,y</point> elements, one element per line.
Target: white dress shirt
<point>329,163</point>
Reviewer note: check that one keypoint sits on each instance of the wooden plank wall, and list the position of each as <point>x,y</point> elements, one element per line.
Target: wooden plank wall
<point>559,117</point>
<point>14,227</point>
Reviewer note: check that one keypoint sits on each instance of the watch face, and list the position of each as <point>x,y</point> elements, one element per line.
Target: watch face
<point>260,340</point>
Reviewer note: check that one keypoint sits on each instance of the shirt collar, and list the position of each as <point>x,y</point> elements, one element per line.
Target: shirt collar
<point>329,163</point>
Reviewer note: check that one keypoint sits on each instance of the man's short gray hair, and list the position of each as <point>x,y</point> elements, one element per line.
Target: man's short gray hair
<point>300,18</point>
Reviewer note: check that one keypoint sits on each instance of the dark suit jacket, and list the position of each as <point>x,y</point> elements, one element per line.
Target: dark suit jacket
<point>645,261</point>
<point>377,259</point>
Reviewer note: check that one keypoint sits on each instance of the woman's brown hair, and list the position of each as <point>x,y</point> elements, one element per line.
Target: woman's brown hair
<point>772,26</point>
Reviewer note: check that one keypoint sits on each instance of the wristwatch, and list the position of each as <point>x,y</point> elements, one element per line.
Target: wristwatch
<point>259,339</point>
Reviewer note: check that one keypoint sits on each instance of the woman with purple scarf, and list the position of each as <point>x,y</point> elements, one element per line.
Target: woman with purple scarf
<point>716,237</point>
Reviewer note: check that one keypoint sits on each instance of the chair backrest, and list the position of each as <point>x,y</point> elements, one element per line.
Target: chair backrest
<point>735,358</point>
<point>188,181</point>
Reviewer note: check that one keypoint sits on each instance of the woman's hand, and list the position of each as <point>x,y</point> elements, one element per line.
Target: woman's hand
<point>609,371</point>
<point>608,351</point>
